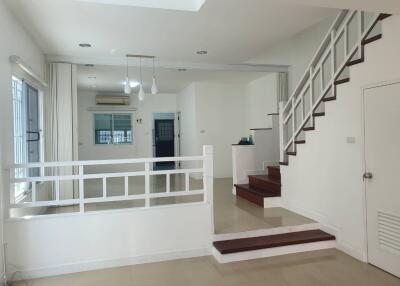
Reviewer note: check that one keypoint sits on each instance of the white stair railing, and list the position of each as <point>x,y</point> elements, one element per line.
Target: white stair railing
<point>342,44</point>
<point>81,199</point>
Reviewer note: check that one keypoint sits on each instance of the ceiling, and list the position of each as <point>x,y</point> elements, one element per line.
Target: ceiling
<point>232,31</point>
<point>111,78</point>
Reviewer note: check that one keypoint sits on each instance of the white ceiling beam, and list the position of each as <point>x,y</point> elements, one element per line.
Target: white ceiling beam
<point>381,6</point>
<point>182,5</point>
<point>115,61</point>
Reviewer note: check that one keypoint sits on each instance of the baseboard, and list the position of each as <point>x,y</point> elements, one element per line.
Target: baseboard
<point>310,214</point>
<point>270,252</point>
<point>331,229</point>
<point>265,232</point>
<point>110,263</point>
<point>348,249</point>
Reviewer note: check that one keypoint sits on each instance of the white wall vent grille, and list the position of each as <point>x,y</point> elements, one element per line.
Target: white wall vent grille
<point>389,231</point>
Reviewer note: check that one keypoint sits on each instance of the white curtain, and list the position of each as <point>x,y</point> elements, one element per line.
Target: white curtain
<point>60,118</point>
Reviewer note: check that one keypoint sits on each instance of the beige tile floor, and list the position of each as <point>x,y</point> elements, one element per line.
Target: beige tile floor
<point>234,214</point>
<point>318,268</point>
<point>322,268</point>
<point>231,213</point>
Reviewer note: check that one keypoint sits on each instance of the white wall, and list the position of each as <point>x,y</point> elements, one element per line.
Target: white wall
<point>189,136</point>
<point>261,100</point>
<point>220,121</point>
<point>296,51</point>
<point>14,41</point>
<point>75,243</point>
<point>142,132</point>
<point>219,114</point>
<point>324,181</point>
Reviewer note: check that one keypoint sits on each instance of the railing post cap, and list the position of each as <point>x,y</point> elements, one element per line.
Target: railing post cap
<point>208,149</point>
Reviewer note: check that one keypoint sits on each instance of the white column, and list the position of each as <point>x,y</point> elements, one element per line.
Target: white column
<point>208,180</point>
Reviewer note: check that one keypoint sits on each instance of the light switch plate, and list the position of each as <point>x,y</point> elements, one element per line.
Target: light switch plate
<point>350,140</point>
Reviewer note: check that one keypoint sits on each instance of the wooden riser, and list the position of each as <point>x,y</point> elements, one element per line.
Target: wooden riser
<point>274,172</point>
<point>251,197</point>
<point>265,183</point>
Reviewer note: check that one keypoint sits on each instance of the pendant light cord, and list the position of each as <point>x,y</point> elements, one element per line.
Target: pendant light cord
<point>154,71</point>
<point>140,66</point>
<point>127,67</point>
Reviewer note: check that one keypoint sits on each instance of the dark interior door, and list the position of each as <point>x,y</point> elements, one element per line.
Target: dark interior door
<point>164,141</point>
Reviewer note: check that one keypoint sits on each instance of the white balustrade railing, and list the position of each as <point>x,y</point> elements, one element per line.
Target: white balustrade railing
<point>342,43</point>
<point>206,170</point>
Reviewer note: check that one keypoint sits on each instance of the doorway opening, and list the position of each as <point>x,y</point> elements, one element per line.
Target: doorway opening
<point>165,139</point>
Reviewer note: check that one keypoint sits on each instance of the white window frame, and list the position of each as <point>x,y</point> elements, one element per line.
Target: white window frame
<point>23,193</point>
<point>131,114</point>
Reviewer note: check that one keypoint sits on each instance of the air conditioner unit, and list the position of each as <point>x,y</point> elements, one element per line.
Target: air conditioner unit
<point>113,100</point>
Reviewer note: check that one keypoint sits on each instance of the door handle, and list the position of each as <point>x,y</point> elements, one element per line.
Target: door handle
<point>367,175</point>
<point>33,132</point>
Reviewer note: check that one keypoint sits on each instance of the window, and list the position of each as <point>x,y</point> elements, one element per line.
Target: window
<point>113,128</point>
<point>27,122</point>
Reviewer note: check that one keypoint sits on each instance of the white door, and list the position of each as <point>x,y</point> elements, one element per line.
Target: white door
<point>382,177</point>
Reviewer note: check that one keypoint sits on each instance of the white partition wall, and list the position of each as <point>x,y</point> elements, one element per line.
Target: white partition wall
<point>58,243</point>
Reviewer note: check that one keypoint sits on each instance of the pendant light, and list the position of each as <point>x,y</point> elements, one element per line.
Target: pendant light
<point>127,87</point>
<point>154,88</point>
<point>141,91</point>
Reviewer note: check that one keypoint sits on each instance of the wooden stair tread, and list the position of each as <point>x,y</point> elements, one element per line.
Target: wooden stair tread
<point>316,114</point>
<point>256,191</point>
<point>372,39</point>
<point>329,98</point>
<point>266,178</point>
<point>355,62</point>
<point>344,80</point>
<point>271,241</point>
<point>274,167</point>
<point>300,142</point>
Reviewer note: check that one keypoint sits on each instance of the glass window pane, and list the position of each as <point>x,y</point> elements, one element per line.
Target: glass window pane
<point>113,128</point>
<point>122,132</point>
<point>103,128</point>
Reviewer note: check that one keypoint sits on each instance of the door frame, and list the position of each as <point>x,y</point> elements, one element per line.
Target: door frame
<point>176,133</point>
<point>364,163</point>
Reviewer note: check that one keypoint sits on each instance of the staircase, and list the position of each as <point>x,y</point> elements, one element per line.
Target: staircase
<point>263,190</point>
<point>328,69</point>
<point>342,49</point>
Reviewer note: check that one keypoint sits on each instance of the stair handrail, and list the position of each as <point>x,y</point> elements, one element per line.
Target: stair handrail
<point>321,48</point>
<point>338,28</point>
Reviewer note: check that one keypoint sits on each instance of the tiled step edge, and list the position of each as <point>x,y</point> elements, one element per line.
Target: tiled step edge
<point>270,252</point>
<point>267,231</point>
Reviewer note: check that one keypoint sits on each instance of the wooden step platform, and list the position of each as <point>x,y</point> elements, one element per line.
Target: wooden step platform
<point>265,182</point>
<point>261,187</point>
<point>254,195</point>
<point>271,241</point>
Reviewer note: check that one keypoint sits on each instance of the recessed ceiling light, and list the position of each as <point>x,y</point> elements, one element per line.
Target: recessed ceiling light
<point>202,52</point>
<point>89,65</point>
<point>182,70</point>
<point>85,45</point>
